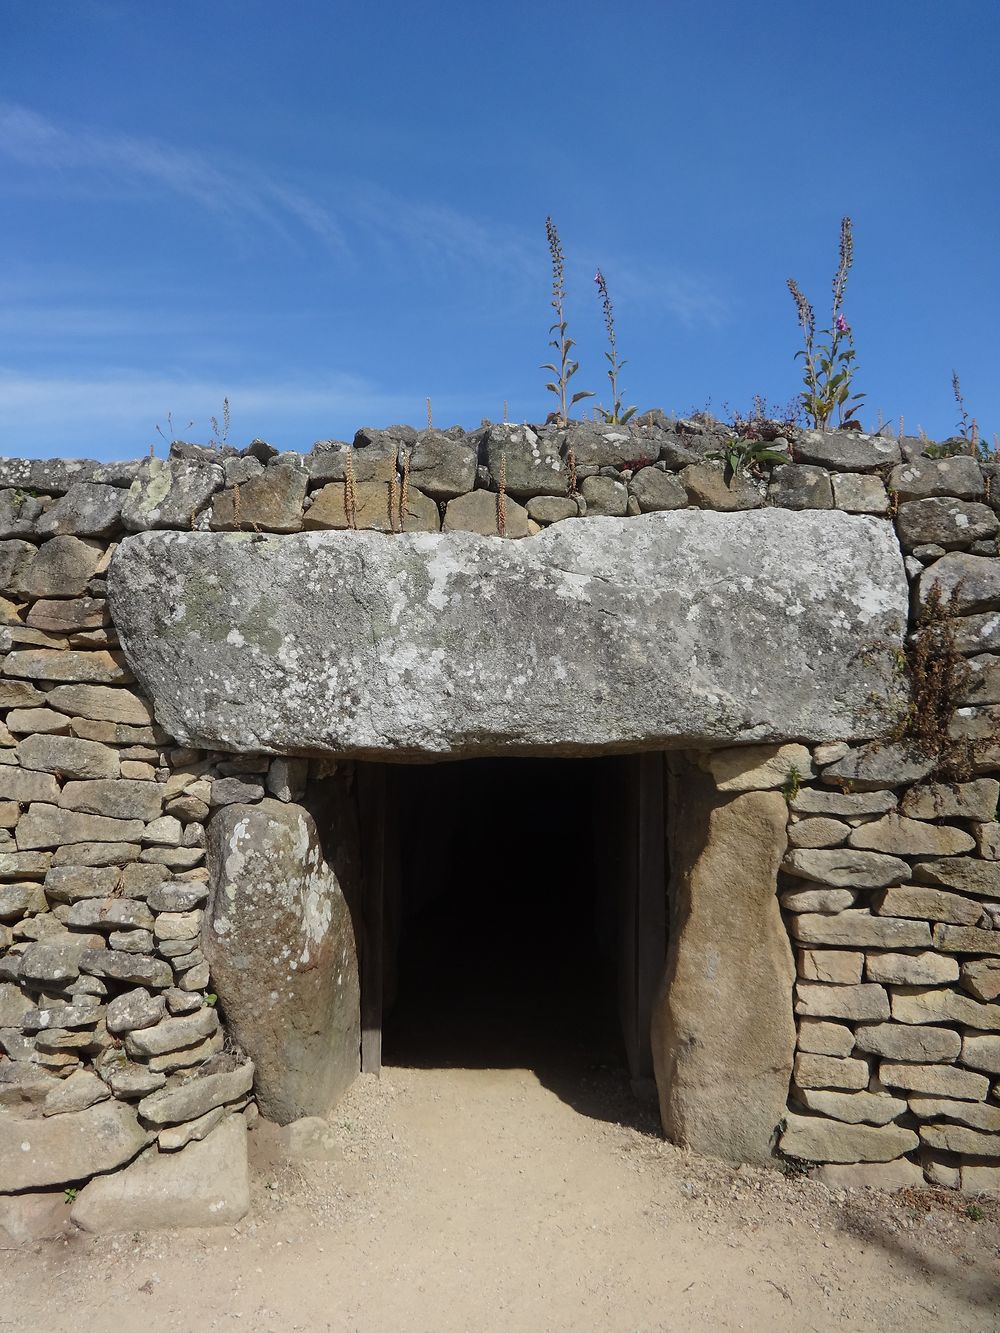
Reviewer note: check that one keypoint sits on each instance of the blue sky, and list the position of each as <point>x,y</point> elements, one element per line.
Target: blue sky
<point>330,212</point>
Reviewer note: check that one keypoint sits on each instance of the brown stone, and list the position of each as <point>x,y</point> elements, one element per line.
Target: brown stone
<point>858,928</point>
<point>840,967</point>
<point>477,512</point>
<point>910,969</point>
<point>820,1037</point>
<point>911,837</point>
<point>961,800</point>
<point>723,1030</point>
<point>936,1080</point>
<point>826,1071</point>
<point>270,502</point>
<point>967,939</point>
<point>101,702</point>
<point>817,1139</point>
<point>915,1004</point>
<point>981,978</point>
<point>860,1003</point>
<point>909,1044</point>
<point>916,901</point>
<point>101,668</point>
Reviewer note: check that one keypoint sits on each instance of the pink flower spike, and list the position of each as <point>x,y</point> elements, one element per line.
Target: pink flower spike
<point>841,324</point>
<point>598,277</point>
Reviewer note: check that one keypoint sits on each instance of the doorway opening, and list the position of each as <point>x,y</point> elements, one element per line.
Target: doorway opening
<point>515,913</point>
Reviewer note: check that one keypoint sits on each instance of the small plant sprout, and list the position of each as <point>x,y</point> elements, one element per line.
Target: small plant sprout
<point>748,455</point>
<point>793,783</point>
<point>220,435</point>
<point>617,415</point>
<point>828,368</point>
<point>566,368</point>
<point>170,434</point>
<point>69,1194</point>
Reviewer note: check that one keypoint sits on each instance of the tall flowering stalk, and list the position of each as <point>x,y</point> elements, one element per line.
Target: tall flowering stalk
<point>566,368</point>
<point>617,416</point>
<point>828,368</point>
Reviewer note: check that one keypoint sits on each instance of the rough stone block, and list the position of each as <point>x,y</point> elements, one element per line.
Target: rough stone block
<point>817,899</point>
<point>820,1037</point>
<point>913,1004</point>
<point>943,800</point>
<point>917,901</point>
<point>877,766</point>
<point>959,1139</point>
<point>269,502</point>
<point>911,837</point>
<point>910,969</point>
<point>69,756</point>
<point>589,572</point>
<point>846,805</point>
<point>839,967</point>
<point>858,1003</point>
<point>203,1184</point>
<point>818,833</point>
<point>981,978</point>
<point>800,486</point>
<point>854,1108</point>
<point>118,798</point>
<point>757,767</point>
<point>61,1149</point>
<point>960,477</point>
<point>859,928</point>
<point>859,494</point>
<point>817,1139</point>
<point>846,451</point>
<point>966,939</point>
<point>888,1176</point>
<point>964,873</point>
<point>826,1071</point>
<point>936,1080</point>
<point>51,826</point>
<point>908,1044</point>
<point>654,490</point>
<point>981,1052</point>
<point>846,868</point>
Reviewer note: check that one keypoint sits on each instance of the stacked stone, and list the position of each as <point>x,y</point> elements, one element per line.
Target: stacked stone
<point>891,889</point>
<point>109,1041</point>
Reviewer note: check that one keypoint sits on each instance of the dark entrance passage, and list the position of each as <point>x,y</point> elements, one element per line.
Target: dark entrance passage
<point>520,906</point>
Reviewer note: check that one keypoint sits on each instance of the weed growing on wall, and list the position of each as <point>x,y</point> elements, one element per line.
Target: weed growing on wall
<point>828,367</point>
<point>938,675</point>
<point>616,415</point>
<point>565,368</point>
<point>748,455</point>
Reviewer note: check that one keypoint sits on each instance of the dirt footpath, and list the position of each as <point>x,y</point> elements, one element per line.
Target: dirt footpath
<point>482,1199</point>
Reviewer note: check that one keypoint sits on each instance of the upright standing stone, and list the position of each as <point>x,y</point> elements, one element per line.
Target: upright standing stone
<point>723,1029</point>
<point>280,943</point>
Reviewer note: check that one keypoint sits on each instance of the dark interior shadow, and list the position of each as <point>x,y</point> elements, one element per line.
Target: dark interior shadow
<point>507,929</point>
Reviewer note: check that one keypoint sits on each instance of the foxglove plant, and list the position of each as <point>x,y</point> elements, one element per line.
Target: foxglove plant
<point>617,416</point>
<point>828,368</point>
<point>566,368</point>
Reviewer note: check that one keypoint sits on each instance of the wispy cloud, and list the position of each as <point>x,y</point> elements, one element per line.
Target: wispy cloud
<point>238,193</point>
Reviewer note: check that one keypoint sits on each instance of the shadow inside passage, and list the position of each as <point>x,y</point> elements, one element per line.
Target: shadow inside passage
<point>507,928</point>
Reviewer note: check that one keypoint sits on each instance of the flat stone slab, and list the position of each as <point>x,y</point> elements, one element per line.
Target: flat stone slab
<point>683,628</point>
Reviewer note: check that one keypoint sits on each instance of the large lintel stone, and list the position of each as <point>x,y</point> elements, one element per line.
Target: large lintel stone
<point>684,628</point>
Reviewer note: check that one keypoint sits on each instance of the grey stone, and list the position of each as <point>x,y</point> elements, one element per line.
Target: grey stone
<point>76,1093</point>
<point>68,756</point>
<point>532,462</point>
<point>178,925</point>
<point>61,567</point>
<point>914,1004</point>
<point>58,962</point>
<point>934,1080</point>
<point>982,1052</point>
<point>24,865</point>
<point>824,1038</point>
<point>845,867</point>
<point>981,978</point>
<point>179,1136</point>
<point>911,969</point>
<point>976,1115</point>
<point>131,1081</point>
<point>604,496</point>
<point>960,477</point>
<point>817,1139</point>
<point>50,826</point>
<point>945,522</point>
<point>973,580</point>
<point>18,514</point>
<point>132,941</point>
<point>59,616</point>
<point>88,509</point>
<point>54,476</point>
<point>172,1034</point>
<point>864,1003</point>
<point>723,1032</point>
<point>169,493</point>
<point>23,785</point>
<point>31,1217</point>
<point>15,558</point>
<point>854,1108</point>
<point>286,779</point>
<point>900,836</point>
<point>953,800</point>
<point>655,491</point>
<point>442,467</point>
<point>195,1096</point>
<point>800,486</point>
<point>478,512</point>
<point>966,939</point>
<point>235,791</point>
<point>708,486</point>
<point>885,1176</point>
<point>983,686</point>
<point>13,1006</point>
<point>19,694</point>
<point>858,928</point>
<point>818,833</point>
<point>973,634</point>
<point>106,914</point>
<point>847,805</point>
<point>176,858</point>
<point>96,854</point>
<point>757,767</point>
<point>817,899</point>
<point>694,613</point>
<point>59,1149</point>
<point>859,494</point>
<point>827,1071</point>
<point>24,720</point>
<point>102,668</point>
<point>963,873</point>
<point>374,462</point>
<point>893,764</point>
<point>846,451</point>
<point>291,996</point>
<point>958,1139</point>
<point>908,1043</point>
<point>19,900</point>
<point>553,508</point>
<point>101,702</point>
<point>271,502</point>
<point>138,969</point>
<point>203,1184</point>
<point>117,798</point>
<point>177,897</point>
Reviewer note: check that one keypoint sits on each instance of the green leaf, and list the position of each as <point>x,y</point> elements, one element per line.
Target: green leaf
<point>628,414</point>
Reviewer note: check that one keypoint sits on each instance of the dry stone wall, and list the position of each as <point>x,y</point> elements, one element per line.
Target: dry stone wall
<point>116,1074</point>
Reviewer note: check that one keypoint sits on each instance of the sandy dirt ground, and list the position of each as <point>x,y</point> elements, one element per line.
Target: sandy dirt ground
<point>480,1199</point>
